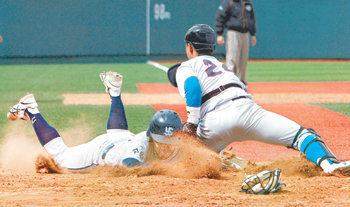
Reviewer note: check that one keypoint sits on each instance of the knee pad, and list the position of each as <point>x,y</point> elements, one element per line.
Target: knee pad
<point>310,143</point>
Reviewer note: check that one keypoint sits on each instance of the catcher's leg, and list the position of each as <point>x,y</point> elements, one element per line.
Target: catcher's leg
<point>311,144</point>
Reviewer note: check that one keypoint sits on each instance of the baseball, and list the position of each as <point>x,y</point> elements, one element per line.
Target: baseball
<point>11,116</point>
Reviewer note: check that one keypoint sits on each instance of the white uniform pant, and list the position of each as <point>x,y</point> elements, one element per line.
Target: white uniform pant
<point>79,157</point>
<point>85,156</point>
<point>237,51</point>
<point>241,120</point>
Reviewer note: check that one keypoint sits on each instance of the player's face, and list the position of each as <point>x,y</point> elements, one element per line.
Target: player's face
<point>164,151</point>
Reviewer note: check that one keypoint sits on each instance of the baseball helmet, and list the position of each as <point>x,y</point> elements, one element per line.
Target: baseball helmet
<point>201,37</point>
<point>163,124</point>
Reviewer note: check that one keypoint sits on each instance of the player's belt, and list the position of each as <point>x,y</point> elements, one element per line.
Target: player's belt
<point>215,92</point>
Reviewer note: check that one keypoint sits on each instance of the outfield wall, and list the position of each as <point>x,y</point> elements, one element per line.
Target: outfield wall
<point>295,29</point>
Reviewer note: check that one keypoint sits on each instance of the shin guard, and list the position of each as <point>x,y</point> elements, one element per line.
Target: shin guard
<point>310,143</point>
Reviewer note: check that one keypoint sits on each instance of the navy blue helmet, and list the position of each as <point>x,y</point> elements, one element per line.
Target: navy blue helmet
<point>163,124</point>
<point>201,37</point>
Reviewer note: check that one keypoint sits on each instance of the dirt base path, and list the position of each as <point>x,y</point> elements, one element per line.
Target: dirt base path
<point>30,189</point>
<point>306,185</point>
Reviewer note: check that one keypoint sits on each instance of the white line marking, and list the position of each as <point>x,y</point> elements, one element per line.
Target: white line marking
<point>157,65</point>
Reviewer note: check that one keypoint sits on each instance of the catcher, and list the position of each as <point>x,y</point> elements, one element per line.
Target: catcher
<point>116,147</point>
<point>220,111</point>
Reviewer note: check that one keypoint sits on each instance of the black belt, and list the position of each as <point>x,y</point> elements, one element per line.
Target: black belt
<point>215,92</point>
<point>239,97</point>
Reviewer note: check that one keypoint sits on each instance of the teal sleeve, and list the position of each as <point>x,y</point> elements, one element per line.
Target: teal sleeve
<point>193,92</point>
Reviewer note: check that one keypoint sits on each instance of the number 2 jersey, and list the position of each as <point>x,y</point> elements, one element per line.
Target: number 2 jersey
<point>203,74</point>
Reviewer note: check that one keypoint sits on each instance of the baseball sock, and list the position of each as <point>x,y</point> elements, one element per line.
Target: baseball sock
<point>43,130</point>
<point>117,117</point>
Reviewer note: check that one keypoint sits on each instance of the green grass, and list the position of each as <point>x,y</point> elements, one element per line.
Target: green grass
<point>298,72</point>
<point>49,81</point>
<point>343,108</point>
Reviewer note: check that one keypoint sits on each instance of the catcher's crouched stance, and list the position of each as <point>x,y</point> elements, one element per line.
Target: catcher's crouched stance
<point>117,147</point>
<point>220,111</point>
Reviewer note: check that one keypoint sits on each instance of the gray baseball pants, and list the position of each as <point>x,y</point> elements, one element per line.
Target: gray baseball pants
<point>237,51</point>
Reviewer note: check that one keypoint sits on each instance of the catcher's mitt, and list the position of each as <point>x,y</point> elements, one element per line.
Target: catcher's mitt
<point>190,129</point>
<point>172,74</point>
<point>263,183</point>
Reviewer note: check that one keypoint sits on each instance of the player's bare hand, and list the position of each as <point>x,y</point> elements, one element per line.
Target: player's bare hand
<point>253,41</point>
<point>190,128</point>
<point>221,40</point>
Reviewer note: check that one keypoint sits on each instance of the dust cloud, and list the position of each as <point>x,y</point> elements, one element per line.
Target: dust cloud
<point>19,147</point>
<point>193,160</point>
<point>21,150</point>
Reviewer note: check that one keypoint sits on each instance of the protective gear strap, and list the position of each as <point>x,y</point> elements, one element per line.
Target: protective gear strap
<point>329,155</point>
<point>294,143</point>
<point>316,153</point>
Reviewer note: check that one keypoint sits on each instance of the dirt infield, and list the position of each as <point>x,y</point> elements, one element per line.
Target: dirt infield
<point>162,185</point>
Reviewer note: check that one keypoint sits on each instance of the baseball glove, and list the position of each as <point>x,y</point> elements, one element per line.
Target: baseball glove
<point>263,183</point>
<point>190,128</point>
<point>172,74</point>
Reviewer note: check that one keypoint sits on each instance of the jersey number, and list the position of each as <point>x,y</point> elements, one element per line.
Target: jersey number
<point>211,67</point>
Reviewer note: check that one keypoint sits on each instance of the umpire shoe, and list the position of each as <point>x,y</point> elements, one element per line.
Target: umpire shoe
<point>112,81</point>
<point>19,110</point>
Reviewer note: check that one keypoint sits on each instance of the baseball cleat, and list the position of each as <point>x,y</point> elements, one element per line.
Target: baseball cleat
<point>343,167</point>
<point>18,111</point>
<point>112,81</point>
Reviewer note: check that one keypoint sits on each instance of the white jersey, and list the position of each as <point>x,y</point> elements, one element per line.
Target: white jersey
<point>211,74</point>
<point>107,149</point>
<point>119,146</point>
<point>224,119</point>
